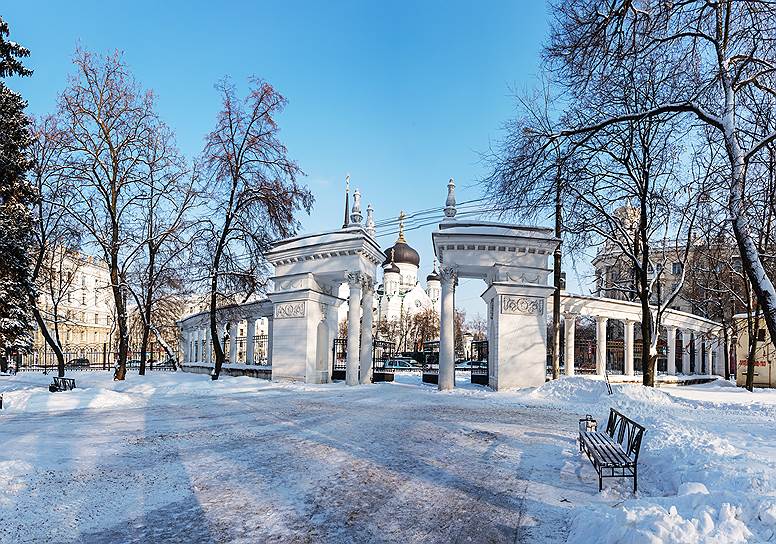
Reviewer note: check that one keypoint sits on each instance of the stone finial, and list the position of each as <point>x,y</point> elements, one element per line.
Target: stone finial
<point>370,220</point>
<point>355,212</point>
<point>346,222</point>
<point>450,210</point>
<point>402,217</point>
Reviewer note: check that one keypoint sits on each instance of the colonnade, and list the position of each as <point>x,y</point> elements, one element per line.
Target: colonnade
<point>708,342</point>
<point>358,368</point>
<point>198,345</point>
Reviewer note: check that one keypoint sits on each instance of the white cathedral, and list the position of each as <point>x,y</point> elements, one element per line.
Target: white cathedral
<point>400,295</point>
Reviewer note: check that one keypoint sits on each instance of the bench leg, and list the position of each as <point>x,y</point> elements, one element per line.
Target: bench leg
<point>635,480</point>
<point>600,482</point>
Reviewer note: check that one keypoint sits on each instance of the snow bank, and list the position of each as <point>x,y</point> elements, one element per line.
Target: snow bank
<point>705,470</point>
<point>28,393</point>
<point>689,518</point>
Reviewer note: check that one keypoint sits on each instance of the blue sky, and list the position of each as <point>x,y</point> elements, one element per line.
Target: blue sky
<point>401,95</point>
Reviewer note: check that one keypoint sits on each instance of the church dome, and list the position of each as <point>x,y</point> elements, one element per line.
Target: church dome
<point>433,276</point>
<point>401,252</point>
<point>391,268</point>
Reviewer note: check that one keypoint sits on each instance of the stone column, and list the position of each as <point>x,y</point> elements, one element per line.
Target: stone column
<point>698,359</point>
<point>250,339</point>
<point>185,345</point>
<point>709,352</point>
<point>447,329</point>
<point>685,351</point>
<point>198,350</point>
<point>671,352</point>
<point>719,368</point>
<point>628,337</point>
<point>600,345</point>
<point>569,322</point>
<point>367,302</point>
<point>233,341</point>
<point>354,329</point>
<point>270,334</point>
<point>207,349</point>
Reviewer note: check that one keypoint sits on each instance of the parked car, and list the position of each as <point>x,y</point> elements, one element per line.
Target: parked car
<point>81,361</point>
<point>401,364</point>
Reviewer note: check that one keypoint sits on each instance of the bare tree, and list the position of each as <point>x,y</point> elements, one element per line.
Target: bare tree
<point>56,238</point>
<point>110,122</point>
<point>254,196</point>
<point>165,232</point>
<point>477,327</point>
<point>424,327</point>
<point>619,184</point>
<point>719,60</point>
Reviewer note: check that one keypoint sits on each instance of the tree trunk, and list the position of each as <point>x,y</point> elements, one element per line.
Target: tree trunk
<point>648,360</point>
<point>52,343</point>
<point>556,295</point>
<point>751,355</point>
<point>121,317</point>
<point>143,349</point>
<point>726,358</point>
<point>218,349</point>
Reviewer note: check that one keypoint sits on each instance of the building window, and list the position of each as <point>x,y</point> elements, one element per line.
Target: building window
<point>761,335</point>
<point>83,298</point>
<point>96,319</point>
<point>676,269</point>
<point>107,320</point>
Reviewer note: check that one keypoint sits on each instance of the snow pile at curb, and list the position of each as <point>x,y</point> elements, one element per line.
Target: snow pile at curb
<point>37,400</point>
<point>697,482</point>
<point>30,394</point>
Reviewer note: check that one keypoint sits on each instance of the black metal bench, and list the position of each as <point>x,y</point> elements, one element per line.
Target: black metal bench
<point>615,452</point>
<point>62,384</point>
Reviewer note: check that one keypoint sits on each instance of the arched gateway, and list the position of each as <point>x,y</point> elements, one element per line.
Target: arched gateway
<point>512,260</point>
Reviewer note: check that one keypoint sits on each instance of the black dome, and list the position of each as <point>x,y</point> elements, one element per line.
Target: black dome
<point>433,276</point>
<point>401,253</point>
<point>391,268</point>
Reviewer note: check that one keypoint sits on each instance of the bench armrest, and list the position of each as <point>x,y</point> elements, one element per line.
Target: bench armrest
<point>588,424</point>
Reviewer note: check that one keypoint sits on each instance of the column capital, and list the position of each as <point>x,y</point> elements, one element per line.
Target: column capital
<point>569,316</point>
<point>355,279</point>
<point>448,274</point>
<point>367,283</point>
<point>670,328</point>
<point>601,319</point>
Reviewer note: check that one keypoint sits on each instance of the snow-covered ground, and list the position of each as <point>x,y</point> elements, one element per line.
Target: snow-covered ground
<point>174,457</point>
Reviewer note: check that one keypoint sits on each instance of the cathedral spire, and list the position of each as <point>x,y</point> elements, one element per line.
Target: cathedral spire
<point>401,238</point>
<point>346,223</point>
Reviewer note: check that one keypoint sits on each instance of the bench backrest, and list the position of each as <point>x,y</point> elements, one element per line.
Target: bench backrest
<point>64,383</point>
<point>626,432</point>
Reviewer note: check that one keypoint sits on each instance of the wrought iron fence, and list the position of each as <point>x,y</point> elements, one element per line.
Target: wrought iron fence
<point>45,360</point>
<point>340,355</point>
<point>382,351</point>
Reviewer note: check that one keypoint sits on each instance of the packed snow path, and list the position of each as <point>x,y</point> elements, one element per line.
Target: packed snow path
<point>177,458</point>
<point>385,463</point>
